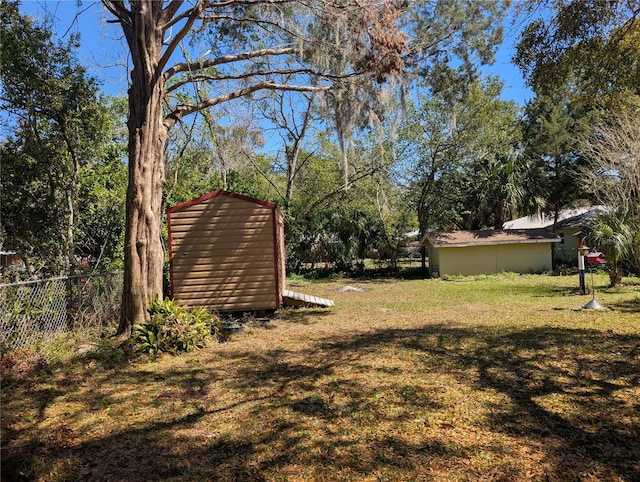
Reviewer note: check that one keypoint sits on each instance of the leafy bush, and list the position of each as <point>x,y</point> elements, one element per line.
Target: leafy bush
<point>173,328</point>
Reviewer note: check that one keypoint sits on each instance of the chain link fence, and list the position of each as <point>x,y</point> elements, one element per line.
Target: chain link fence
<point>34,311</point>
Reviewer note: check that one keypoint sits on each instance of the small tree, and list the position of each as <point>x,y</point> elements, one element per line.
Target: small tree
<point>552,126</point>
<point>613,235</point>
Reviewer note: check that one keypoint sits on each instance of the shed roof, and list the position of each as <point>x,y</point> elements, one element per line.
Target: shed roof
<point>206,197</point>
<point>489,236</point>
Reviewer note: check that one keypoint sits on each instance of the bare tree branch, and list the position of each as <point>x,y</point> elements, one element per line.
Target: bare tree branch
<point>266,73</point>
<point>194,14</point>
<point>169,11</point>
<point>169,20</point>
<point>613,170</point>
<point>205,64</point>
<point>186,109</point>
<point>262,173</point>
<point>343,188</point>
<point>252,21</point>
<point>117,8</point>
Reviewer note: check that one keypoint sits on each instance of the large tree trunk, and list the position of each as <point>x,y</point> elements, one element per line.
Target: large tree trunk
<point>143,250</point>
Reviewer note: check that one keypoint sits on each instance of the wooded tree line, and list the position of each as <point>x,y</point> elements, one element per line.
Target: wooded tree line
<point>364,121</point>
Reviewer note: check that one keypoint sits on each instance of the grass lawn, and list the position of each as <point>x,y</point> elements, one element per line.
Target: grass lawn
<point>492,378</point>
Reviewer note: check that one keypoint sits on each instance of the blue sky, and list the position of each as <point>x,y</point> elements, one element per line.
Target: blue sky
<point>514,85</point>
<point>102,48</point>
<point>103,53</point>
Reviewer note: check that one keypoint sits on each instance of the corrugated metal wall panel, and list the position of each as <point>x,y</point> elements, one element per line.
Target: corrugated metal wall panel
<point>222,248</point>
<point>205,297</point>
<point>226,266</point>
<point>220,233</point>
<point>233,233</point>
<point>198,292</point>
<point>182,219</point>
<point>258,278</point>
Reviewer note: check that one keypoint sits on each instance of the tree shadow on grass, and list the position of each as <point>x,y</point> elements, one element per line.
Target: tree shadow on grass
<point>303,315</point>
<point>337,409</point>
<point>630,306</point>
<point>594,374</point>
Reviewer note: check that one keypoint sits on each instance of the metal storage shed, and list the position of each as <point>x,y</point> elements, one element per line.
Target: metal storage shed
<point>227,252</point>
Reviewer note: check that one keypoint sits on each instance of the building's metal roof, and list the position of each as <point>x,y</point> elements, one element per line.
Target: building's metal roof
<point>566,218</point>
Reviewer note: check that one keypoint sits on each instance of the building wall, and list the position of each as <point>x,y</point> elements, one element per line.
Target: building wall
<point>227,254</point>
<point>486,259</point>
<point>566,252</point>
<point>434,261</point>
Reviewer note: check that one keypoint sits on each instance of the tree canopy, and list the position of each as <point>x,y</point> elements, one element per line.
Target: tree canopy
<point>591,47</point>
<point>58,128</point>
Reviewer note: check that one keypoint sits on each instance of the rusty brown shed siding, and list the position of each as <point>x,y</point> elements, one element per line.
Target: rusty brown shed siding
<point>280,250</point>
<point>225,253</point>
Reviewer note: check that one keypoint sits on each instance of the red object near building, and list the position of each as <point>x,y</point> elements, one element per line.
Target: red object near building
<point>596,257</point>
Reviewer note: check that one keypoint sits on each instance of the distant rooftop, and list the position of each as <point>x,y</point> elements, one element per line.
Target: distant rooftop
<point>566,217</point>
<point>490,236</point>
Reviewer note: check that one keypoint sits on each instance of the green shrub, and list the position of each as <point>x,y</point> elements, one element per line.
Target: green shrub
<point>173,328</point>
<point>148,336</point>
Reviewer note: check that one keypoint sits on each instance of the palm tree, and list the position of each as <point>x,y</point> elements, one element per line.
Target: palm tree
<point>613,235</point>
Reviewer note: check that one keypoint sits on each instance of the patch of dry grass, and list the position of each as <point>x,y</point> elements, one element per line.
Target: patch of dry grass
<point>501,378</point>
